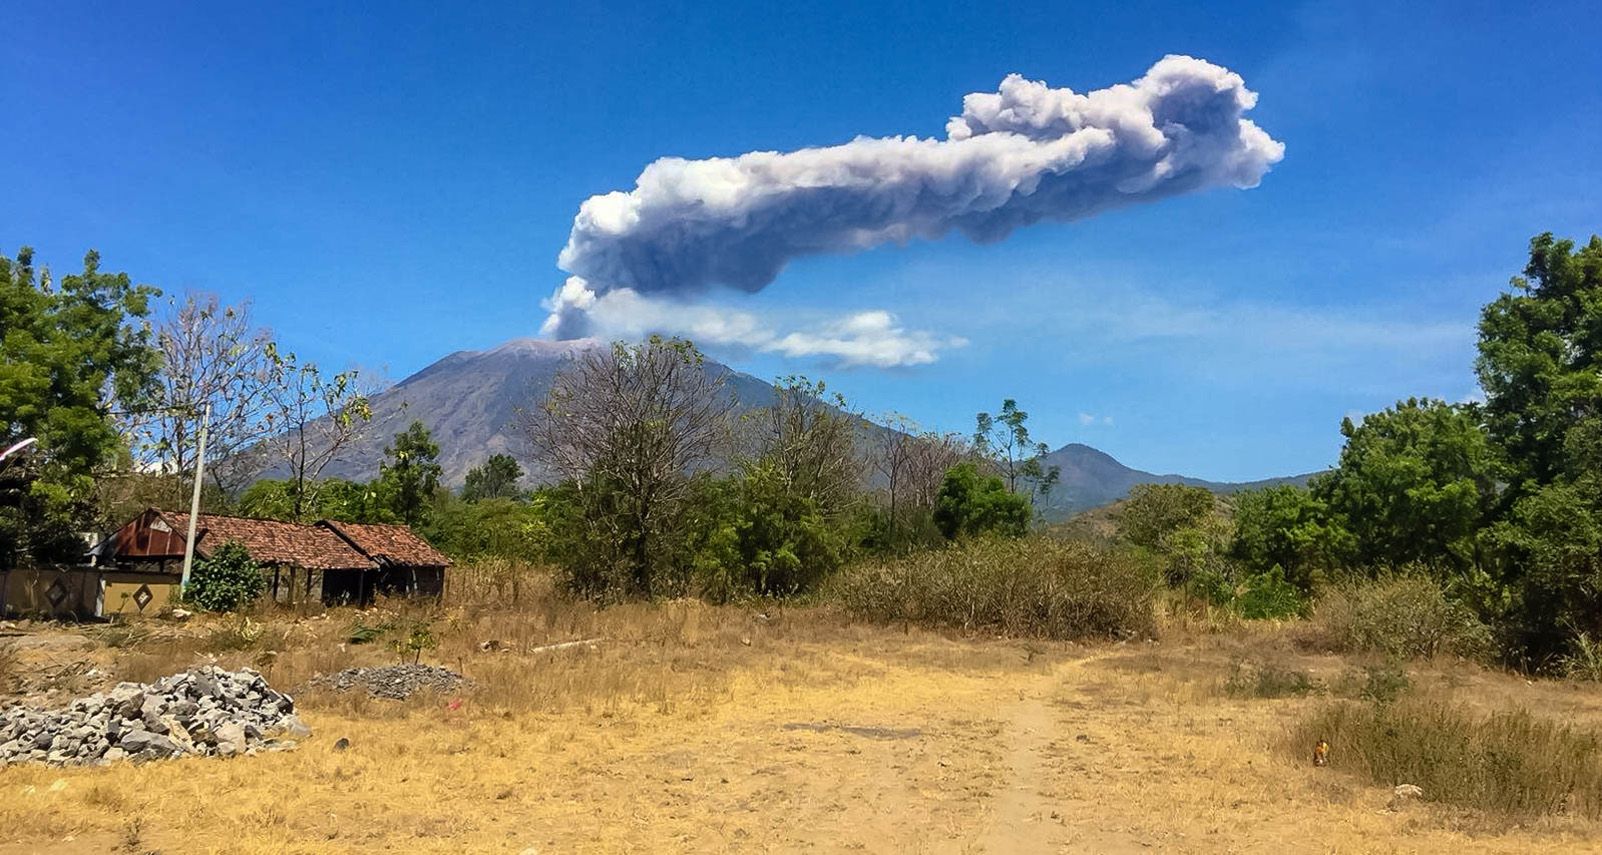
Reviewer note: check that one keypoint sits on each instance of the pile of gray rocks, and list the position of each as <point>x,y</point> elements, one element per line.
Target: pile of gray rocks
<point>206,711</point>
<point>396,682</point>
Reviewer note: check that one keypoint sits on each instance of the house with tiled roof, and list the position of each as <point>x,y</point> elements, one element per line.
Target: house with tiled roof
<point>333,562</point>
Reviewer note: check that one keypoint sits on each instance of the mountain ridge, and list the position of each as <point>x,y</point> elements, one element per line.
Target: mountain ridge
<point>472,401</point>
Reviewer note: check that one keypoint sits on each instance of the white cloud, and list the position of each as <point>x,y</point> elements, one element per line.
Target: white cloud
<point>872,338</point>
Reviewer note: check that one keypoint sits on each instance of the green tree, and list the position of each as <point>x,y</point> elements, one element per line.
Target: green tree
<point>1415,485</point>
<point>971,503</point>
<point>1004,438</point>
<point>409,476</point>
<point>71,353</point>
<point>1290,528</point>
<point>1153,512</point>
<point>1540,361</point>
<point>226,580</point>
<point>495,478</point>
<point>1540,364</point>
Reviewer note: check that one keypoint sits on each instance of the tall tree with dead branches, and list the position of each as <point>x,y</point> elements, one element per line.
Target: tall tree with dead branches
<point>211,354</point>
<point>624,428</point>
<point>311,418</point>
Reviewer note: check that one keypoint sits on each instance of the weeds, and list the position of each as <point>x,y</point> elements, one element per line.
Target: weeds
<point>1033,587</point>
<point>1585,662</point>
<point>1507,762</point>
<point>1264,680</point>
<point>1401,617</point>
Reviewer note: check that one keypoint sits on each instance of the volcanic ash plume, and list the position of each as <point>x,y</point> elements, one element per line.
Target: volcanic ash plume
<point>1014,157</point>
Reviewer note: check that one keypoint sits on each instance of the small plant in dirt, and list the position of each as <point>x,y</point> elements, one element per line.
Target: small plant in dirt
<point>1511,763</point>
<point>416,636</point>
<point>1267,680</point>
<point>240,633</point>
<point>361,633</point>
<point>226,580</point>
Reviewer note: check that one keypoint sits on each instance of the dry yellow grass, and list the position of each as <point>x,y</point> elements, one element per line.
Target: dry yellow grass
<point>695,728</point>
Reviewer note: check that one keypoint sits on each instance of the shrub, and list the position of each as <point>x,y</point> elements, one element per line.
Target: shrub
<point>225,580</point>
<point>1510,763</point>
<point>1399,616</point>
<point>1033,587</point>
<point>1269,596</point>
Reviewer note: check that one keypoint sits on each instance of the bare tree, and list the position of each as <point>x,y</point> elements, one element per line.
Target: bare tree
<point>211,354</point>
<point>311,419</point>
<point>809,438</point>
<point>625,427</point>
<point>913,463</point>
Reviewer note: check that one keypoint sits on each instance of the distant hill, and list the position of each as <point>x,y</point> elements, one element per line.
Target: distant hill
<point>1092,478</point>
<point>471,400</point>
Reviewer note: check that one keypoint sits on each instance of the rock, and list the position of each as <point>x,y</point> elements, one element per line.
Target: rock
<point>341,744</point>
<point>395,682</point>
<point>1402,794</point>
<point>205,711</point>
<point>141,742</point>
<point>230,739</point>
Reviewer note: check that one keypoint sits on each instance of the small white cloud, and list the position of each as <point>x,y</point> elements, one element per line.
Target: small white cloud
<point>873,338</point>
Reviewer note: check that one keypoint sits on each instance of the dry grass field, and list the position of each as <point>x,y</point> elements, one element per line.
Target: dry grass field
<point>696,728</point>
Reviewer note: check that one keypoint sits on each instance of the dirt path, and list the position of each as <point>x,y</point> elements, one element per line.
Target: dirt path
<point>1023,819</point>
<point>1036,810</point>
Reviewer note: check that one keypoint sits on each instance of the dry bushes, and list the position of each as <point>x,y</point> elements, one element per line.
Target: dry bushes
<point>1508,763</point>
<point>1398,616</point>
<point>1033,587</point>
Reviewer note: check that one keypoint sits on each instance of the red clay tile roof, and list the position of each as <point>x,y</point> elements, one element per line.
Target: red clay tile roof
<point>273,542</point>
<point>390,545</point>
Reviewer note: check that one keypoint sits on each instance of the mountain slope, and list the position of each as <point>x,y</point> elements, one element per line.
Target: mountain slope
<point>472,402</point>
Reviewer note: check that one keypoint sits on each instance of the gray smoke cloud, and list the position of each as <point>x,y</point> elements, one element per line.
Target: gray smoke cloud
<point>1014,157</point>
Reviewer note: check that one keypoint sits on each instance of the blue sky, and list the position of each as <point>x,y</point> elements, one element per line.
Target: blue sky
<point>391,187</point>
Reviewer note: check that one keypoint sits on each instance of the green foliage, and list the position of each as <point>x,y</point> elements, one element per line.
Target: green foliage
<point>226,580</point>
<point>1267,596</point>
<point>69,350</point>
<point>1540,361</point>
<point>1415,485</point>
<point>1031,587</point>
<point>1508,763</point>
<point>409,476</point>
<point>495,478</point>
<point>1154,512</point>
<point>412,639</point>
<point>491,528</point>
<point>1551,546</point>
<point>971,504</point>
<point>1290,528</point>
<point>334,499</point>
